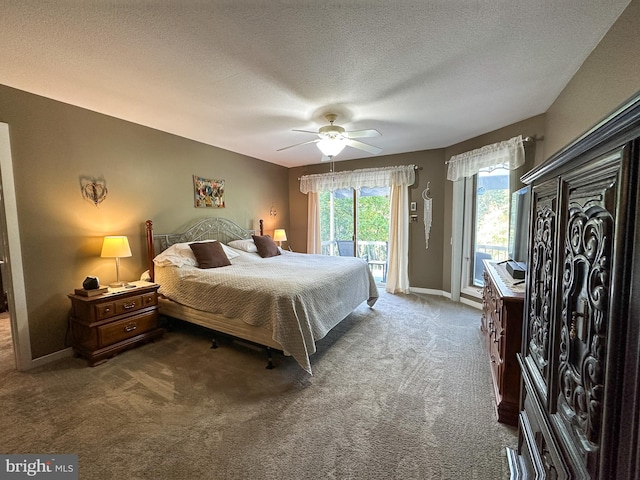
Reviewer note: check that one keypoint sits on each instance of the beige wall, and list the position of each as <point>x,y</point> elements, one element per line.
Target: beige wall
<point>148,175</point>
<point>607,78</point>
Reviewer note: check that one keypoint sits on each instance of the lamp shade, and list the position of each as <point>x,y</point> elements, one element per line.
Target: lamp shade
<point>279,235</point>
<point>330,146</point>
<point>115,247</point>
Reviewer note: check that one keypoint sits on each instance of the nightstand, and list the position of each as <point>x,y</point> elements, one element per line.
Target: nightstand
<point>106,324</point>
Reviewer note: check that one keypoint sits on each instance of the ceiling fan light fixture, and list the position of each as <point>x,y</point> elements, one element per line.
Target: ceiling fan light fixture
<point>331,146</point>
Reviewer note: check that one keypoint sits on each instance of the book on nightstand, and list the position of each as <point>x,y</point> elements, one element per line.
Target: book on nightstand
<point>91,293</point>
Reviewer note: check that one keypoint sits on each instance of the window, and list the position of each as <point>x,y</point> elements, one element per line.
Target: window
<point>483,225</point>
<point>396,180</point>
<point>480,220</point>
<point>356,223</point>
<point>489,228</point>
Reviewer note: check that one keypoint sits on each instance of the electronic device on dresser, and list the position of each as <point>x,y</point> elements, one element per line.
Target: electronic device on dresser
<point>580,400</point>
<point>518,233</point>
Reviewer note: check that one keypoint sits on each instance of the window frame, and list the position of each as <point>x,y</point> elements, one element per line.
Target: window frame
<point>463,228</point>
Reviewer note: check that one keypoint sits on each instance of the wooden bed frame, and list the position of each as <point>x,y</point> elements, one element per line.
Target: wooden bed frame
<point>223,230</point>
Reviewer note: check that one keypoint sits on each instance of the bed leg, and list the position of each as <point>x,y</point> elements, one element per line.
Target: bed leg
<point>270,365</point>
<point>170,322</point>
<point>214,343</point>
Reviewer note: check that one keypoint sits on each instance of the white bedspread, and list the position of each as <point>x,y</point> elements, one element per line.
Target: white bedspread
<point>301,297</point>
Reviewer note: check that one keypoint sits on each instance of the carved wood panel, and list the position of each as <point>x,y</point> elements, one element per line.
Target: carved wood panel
<point>541,284</point>
<point>586,275</point>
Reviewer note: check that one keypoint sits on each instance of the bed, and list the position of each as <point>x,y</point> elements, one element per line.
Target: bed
<point>286,302</point>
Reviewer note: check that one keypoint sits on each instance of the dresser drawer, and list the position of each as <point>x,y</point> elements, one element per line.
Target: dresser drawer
<point>539,444</point>
<point>127,328</point>
<point>125,305</point>
<point>105,310</point>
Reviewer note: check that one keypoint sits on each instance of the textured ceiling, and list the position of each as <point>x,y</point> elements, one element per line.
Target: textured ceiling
<point>242,74</point>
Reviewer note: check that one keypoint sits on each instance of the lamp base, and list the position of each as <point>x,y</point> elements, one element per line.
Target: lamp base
<point>118,285</point>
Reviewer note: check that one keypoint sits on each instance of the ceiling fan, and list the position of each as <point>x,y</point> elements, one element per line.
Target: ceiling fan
<point>333,138</point>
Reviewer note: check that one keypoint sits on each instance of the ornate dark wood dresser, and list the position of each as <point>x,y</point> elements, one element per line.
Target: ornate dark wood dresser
<point>580,354</point>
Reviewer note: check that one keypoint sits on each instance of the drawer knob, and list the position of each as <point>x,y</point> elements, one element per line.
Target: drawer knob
<point>129,306</point>
<point>107,309</point>
<point>131,327</point>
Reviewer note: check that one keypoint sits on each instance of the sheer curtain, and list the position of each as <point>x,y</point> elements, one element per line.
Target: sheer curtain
<point>313,227</point>
<point>398,259</point>
<point>508,154</point>
<point>398,178</point>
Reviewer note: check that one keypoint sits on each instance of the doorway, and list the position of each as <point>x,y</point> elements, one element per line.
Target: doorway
<point>11,260</point>
<point>355,222</point>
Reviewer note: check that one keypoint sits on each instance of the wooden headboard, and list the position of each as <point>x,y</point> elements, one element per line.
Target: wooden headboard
<point>211,228</point>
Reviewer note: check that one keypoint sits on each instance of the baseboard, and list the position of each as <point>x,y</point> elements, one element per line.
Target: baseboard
<point>52,357</point>
<point>441,293</point>
<point>471,303</point>
<point>428,291</point>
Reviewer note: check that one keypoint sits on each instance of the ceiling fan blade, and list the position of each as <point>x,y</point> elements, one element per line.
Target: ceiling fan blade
<point>304,131</point>
<point>298,144</point>
<point>364,133</point>
<point>363,146</point>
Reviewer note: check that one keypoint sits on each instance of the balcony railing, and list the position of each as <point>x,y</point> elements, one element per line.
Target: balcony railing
<point>374,252</point>
<point>495,252</point>
<point>487,252</point>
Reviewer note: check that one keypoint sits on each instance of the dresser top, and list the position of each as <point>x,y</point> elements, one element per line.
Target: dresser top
<point>507,286</point>
<point>136,287</point>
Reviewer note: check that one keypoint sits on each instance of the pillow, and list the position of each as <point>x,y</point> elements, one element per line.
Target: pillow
<point>209,254</point>
<point>266,246</point>
<point>180,254</point>
<point>246,245</point>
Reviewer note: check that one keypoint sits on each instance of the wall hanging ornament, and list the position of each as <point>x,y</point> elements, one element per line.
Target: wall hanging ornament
<point>208,193</point>
<point>428,213</point>
<point>93,189</point>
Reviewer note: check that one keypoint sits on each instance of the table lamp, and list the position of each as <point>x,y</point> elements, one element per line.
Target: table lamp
<point>116,247</point>
<point>279,235</point>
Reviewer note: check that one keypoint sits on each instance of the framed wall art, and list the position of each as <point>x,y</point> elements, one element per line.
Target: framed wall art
<point>208,193</point>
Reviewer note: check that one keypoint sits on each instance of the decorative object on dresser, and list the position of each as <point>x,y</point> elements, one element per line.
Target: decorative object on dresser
<point>116,247</point>
<point>103,325</point>
<point>581,342</point>
<point>501,324</point>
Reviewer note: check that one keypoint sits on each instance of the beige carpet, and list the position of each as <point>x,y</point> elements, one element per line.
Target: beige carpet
<point>402,391</point>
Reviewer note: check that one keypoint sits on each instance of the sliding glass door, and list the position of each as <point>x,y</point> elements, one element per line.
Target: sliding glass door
<point>486,223</point>
<point>356,223</point>
<point>337,222</point>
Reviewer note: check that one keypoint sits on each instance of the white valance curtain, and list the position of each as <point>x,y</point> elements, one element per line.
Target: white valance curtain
<point>365,177</point>
<point>508,154</point>
<point>398,179</point>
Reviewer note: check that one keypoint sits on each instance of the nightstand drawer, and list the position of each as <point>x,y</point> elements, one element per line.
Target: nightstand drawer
<point>127,328</point>
<point>130,304</point>
<point>105,310</point>
<point>125,305</point>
